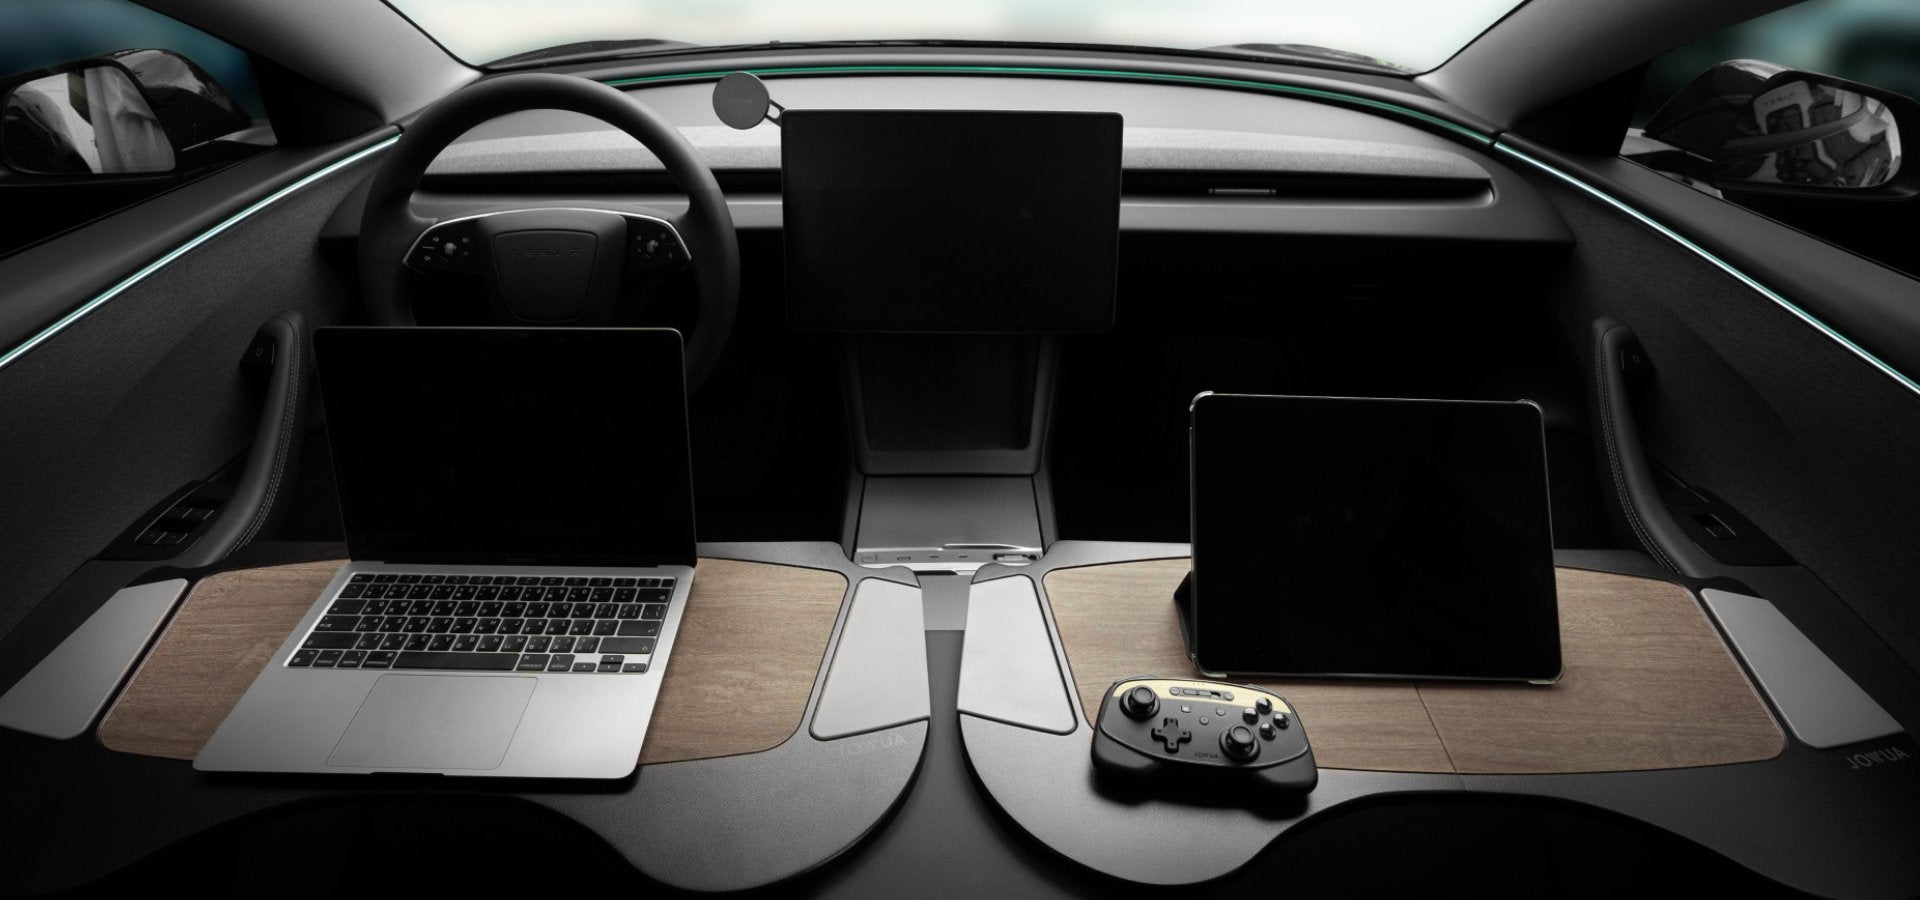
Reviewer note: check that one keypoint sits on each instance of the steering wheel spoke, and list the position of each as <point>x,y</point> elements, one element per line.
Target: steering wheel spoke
<point>654,245</point>
<point>448,247</point>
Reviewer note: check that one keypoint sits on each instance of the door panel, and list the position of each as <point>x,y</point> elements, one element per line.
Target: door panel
<point>1800,434</point>
<point>145,393</point>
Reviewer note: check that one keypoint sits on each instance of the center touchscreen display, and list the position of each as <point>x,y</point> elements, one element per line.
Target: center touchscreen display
<point>950,220</point>
<point>1367,537</point>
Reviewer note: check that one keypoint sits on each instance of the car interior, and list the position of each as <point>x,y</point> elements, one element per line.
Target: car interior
<point>874,375</point>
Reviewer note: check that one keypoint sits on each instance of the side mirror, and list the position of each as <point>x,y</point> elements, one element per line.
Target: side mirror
<point>1756,126</point>
<point>85,118</point>
<point>192,106</point>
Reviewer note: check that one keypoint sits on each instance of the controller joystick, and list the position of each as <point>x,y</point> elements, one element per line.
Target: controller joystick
<point>1238,743</point>
<point>1140,703</point>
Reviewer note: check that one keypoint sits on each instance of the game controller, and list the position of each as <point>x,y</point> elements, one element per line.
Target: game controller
<point>1168,728</point>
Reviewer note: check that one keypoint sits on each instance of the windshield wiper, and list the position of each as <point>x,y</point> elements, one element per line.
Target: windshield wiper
<point>1309,54</point>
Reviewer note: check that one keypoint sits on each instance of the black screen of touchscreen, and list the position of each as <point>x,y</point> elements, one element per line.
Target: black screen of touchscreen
<point>950,221</point>
<point>1372,537</point>
<point>532,446</point>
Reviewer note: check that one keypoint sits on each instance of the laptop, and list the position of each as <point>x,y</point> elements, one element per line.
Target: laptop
<point>518,507</point>
<point>1371,537</point>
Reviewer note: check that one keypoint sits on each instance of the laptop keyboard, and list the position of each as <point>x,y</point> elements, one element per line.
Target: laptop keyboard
<point>489,623</point>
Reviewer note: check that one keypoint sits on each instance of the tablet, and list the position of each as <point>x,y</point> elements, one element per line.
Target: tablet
<point>1362,537</point>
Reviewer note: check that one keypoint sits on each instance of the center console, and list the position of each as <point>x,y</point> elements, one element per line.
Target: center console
<point>949,434</point>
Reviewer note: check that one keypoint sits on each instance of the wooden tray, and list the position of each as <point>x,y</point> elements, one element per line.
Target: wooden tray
<point>751,640</point>
<point>1648,683</point>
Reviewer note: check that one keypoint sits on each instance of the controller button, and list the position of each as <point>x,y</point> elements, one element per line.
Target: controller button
<point>1281,719</point>
<point>1140,703</point>
<point>1249,716</point>
<point>1171,734</point>
<point>1266,730</point>
<point>1263,705</point>
<point>1238,743</point>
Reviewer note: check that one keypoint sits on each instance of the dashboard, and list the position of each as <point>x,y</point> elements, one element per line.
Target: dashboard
<point>1196,159</point>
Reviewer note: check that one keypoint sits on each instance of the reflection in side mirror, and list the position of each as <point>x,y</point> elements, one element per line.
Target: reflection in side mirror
<point>1801,132</point>
<point>1747,124</point>
<point>90,119</point>
<point>192,106</point>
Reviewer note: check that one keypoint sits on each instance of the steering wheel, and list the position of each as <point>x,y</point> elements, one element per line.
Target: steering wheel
<point>551,265</point>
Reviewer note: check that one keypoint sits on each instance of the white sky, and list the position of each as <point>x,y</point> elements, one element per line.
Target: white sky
<point>1416,34</point>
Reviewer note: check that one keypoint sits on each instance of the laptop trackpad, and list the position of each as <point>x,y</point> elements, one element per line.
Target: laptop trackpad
<point>435,722</point>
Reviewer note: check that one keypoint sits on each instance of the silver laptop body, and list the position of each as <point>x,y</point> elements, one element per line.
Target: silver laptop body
<point>433,659</point>
<point>507,724</point>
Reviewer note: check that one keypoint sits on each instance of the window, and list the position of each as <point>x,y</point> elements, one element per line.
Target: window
<point>1395,35</point>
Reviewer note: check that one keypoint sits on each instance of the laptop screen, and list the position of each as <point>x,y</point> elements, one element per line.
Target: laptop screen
<point>541,446</point>
<point>1340,536</point>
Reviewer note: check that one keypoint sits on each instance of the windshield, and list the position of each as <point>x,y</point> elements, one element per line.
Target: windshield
<point>1402,35</point>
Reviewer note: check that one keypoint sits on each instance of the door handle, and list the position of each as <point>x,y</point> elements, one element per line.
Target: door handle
<point>280,349</point>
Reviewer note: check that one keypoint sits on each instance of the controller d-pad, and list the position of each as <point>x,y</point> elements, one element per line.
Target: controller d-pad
<point>1171,734</point>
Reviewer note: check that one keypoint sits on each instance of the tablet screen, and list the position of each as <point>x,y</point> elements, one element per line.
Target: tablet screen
<point>1372,537</point>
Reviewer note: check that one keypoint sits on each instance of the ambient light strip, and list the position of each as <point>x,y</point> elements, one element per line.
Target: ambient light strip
<point>182,250</point>
<point>1455,128</point>
<point>1207,80</point>
<point>1722,264</point>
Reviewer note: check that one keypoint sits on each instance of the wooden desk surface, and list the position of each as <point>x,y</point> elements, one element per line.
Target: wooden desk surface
<point>751,641</point>
<point>1647,683</point>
